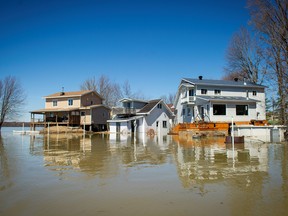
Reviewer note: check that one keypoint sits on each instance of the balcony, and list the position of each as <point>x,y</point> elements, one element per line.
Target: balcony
<point>188,100</point>
<point>128,111</point>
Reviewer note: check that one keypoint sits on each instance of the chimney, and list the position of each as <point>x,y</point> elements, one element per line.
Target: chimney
<point>62,92</point>
<point>200,77</point>
<point>236,79</point>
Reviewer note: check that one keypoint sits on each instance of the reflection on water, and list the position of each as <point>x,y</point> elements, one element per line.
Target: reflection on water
<point>115,174</point>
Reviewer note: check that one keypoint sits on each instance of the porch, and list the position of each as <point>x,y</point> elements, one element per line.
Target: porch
<point>54,117</point>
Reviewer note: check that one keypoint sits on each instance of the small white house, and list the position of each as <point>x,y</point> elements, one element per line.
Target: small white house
<point>219,100</point>
<point>140,116</point>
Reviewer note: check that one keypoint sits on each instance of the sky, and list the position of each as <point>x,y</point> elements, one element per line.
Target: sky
<point>50,44</point>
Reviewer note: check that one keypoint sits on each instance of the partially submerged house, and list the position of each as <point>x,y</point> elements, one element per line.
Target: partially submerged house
<point>219,100</point>
<point>140,116</point>
<point>78,109</point>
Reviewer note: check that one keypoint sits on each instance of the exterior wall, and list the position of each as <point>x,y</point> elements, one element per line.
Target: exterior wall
<point>262,133</point>
<point>232,91</point>
<point>86,100</point>
<point>62,102</point>
<point>85,119</point>
<point>256,111</point>
<point>159,115</point>
<point>231,112</point>
<point>100,115</point>
<point>90,99</point>
<point>125,127</point>
<point>134,104</point>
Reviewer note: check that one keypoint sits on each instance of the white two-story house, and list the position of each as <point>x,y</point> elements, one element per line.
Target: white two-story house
<point>218,101</point>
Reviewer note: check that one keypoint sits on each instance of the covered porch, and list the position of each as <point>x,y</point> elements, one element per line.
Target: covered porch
<point>53,117</point>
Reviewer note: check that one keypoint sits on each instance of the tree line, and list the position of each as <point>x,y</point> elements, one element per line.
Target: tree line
<point>260,54</point>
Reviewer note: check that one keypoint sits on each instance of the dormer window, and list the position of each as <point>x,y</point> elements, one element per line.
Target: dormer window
<point>217,92</point>
<point>70,102</point>
<point>203,91</point>
<point>54,102</point>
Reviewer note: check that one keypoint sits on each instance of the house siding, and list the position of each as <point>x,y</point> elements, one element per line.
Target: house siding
<point>62,102</point>
<point>90,99</point>
<point>256,110</point>
<point>100,115</point>
<point>159,115</point>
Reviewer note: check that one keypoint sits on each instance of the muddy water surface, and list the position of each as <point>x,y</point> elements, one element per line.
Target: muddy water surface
<point>118,175</point>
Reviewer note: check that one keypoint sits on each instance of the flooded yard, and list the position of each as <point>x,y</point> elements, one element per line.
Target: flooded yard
<point>122,175</point>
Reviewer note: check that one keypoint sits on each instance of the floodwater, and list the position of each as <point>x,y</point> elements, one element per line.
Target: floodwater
<point>122,175</point>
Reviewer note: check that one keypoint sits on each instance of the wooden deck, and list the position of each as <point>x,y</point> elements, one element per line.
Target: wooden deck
<point>212,126</point>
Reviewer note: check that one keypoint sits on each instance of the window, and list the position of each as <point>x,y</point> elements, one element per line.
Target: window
<point>217,92</point>
<point>191,92</point>
<point>219,109</point>
<point>70,102</point>
<point>164,124</point>
<point>188,111</point>
<point>83,113</point>
<point>254,93</point>
<point>157,124</point>
<point>183,112</point>
<point>54,103</point>
<point>159,106</point>
<point>203,91</point>
<point>241,109</point>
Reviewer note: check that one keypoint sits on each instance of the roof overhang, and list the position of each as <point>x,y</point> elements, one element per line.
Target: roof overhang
<point>226,99</point>
<point>125,119</point>
<point>43,111</point>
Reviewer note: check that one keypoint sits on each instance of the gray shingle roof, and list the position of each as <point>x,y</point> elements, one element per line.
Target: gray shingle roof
<point>221,82</point>
<point>227,98</point>
<point>148,107</point>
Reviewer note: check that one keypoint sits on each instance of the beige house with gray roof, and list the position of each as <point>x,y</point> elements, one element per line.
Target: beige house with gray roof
<point>75,109</point>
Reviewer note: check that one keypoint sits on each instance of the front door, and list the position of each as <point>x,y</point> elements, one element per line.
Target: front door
<point>202,113</point>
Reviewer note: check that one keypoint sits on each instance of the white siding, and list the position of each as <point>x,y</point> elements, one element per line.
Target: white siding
<point>256,109</point>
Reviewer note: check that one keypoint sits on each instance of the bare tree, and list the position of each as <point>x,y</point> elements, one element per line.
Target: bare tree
<point>244,58</point>
<point>12,98</point>
<point>110,91</point>
<point>126,90</point>
<point>270,18</point>
<point>89,84</point>
<point>168,99</point>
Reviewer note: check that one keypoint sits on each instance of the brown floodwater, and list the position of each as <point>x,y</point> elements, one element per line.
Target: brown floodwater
<point>122,175</point>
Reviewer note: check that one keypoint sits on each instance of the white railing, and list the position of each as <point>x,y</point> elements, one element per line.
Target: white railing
<point>188,99</point>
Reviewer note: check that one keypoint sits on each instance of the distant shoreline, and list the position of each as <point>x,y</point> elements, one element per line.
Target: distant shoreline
<point>16,124</point>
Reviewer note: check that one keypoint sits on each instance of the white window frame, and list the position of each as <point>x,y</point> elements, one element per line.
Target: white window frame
<point>70,102</point>
<point>204,91</point>
<point>55,103</point>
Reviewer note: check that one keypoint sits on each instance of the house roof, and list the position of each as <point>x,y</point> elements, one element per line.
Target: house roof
<point>71,94</point>
<point>94,106</point>
<point>47,110</point>
<point>148,107</point>
<point>132,99</point>
<point>42,111</point>
<point>226,99</point>
<point>125,119</point>
<point>211,82</point>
